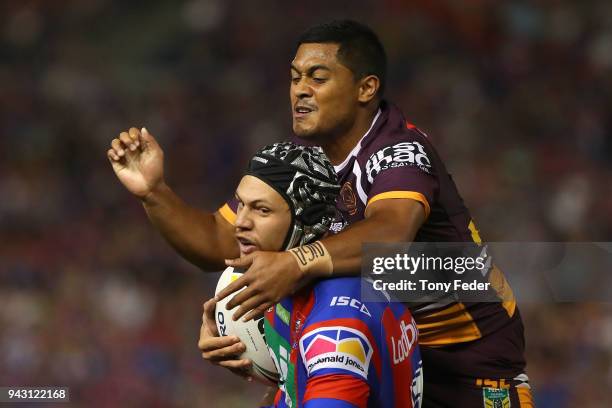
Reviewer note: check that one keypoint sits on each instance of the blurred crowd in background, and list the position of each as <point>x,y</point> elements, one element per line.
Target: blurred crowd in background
<point>516,96</point>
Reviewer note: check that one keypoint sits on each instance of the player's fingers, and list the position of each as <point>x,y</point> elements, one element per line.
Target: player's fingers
<point>147,139</point>
<point>248,305</point>
<point>126,141</point>
<point>117,147</point>
<point>225,353</point>
<point>209,307</point>
<point>209,343</point>
<point>134,137</point>
<point>258,311</point>
<point>207,331</point>
<point>243,364</point>
<point>233,287</point>
<point>248,293</point>
<point>208,318</point>
<point>242,262</point>
<point>112,156</point>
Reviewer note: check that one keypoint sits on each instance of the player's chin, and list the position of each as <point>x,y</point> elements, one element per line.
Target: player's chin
<point>304,130</point>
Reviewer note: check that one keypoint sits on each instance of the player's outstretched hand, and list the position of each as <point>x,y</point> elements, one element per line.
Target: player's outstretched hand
<point>270,276</point>
<point>138,161</point>
<point>223,351</point>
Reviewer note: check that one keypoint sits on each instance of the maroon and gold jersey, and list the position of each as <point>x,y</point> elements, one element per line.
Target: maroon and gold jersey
<point>395,160</point>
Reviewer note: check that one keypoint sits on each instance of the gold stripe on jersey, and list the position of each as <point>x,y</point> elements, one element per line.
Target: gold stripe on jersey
<point>503,289</point>
<point>451,325</point>
<point>475,234</point>
<point>497,278</point>
<point>413,195</point>
<point>525,399</point>
<point>229,214</point>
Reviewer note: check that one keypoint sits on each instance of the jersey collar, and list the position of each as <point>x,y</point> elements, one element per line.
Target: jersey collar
<point>357,147</point>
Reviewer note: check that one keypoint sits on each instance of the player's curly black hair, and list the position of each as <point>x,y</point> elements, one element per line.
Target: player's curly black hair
<point>359,49</point>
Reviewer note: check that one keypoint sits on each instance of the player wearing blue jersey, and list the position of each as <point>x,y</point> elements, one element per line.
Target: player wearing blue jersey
<point>330,348</point>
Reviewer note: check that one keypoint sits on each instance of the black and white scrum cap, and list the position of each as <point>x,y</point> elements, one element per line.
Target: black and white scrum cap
<point>306,179</point>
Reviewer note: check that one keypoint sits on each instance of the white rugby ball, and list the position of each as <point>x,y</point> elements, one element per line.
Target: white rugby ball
<point>250,333</point>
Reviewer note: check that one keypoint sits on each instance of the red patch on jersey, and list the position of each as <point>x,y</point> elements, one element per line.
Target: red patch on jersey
<point>320,346</point>
<point>400,343</point>
<point>338,386</point>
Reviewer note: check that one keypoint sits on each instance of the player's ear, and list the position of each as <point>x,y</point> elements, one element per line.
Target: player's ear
<point>368,88</point>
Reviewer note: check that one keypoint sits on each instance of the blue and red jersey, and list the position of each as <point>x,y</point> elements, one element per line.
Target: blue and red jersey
<point>334,351</point>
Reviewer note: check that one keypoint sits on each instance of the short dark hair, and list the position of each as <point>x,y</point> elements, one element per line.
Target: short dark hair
<point>359,49</point>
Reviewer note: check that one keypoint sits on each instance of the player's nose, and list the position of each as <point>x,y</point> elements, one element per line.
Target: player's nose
<point>243,220</point>
<point>301,89</point>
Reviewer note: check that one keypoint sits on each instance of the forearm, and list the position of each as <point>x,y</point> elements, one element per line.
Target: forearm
<point>200,237</point>
<point>345,248</point>
<point>386,221</point>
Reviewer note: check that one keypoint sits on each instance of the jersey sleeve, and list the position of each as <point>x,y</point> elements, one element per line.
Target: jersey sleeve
<point>336,391</point>
<point>229,210</point>
<point>402,169</point>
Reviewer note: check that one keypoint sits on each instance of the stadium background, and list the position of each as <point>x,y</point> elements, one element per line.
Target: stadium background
<point>515,95</point>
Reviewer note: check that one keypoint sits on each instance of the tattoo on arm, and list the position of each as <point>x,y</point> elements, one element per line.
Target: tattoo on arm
<point>309,253</point>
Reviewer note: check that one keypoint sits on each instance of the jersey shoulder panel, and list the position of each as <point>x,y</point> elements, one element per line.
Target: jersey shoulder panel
<point>409,147</point>
<point>341,298</point>
<point>400,163</point>
<point>341,334</point>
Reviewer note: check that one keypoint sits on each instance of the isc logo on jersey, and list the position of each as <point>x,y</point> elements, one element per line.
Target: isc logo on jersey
<point>350,302</point>
<point>398,155</point>
<point>336,348</point>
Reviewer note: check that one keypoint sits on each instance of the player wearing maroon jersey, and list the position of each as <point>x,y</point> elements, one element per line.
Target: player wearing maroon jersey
<point>394,188</point>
